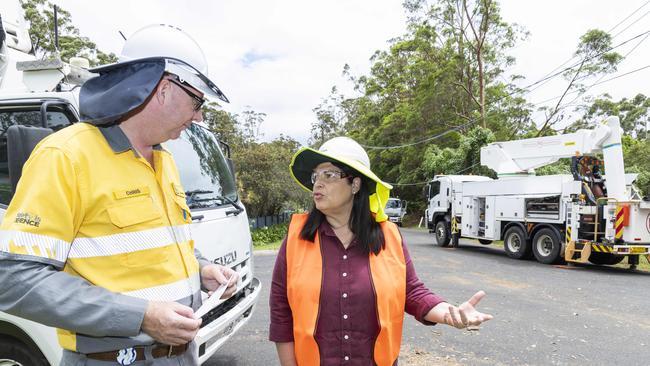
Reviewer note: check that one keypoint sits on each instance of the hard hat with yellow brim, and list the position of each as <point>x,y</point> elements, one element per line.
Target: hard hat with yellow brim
<point>346,151</point>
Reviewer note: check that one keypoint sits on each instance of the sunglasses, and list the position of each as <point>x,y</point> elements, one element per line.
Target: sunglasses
<point>197,101</point>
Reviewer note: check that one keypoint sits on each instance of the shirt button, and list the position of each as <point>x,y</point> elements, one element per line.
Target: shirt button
<point>347,358</point>
<point>345,316</point>
<point>345,256</point>
<point>346,336</point>
<point>345,295</point>
<point>345,274</point>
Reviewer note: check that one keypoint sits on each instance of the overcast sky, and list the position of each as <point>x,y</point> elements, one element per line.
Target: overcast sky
<point>282,57</point>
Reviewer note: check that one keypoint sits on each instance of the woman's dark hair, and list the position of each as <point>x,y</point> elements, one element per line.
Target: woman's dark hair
<point>362,223</point>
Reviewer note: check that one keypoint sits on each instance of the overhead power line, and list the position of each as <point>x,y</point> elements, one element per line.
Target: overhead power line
<point>597,83</point>
<point>431,138</point>
<point>628,17</point>
<point>586,59</point>
<point>609,31</point>
<point>475,120</point>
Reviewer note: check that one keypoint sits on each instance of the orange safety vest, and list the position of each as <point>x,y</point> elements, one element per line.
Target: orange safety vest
<point>304,279</point>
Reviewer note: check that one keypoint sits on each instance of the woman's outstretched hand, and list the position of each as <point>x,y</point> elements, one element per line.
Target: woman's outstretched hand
<point>466,314</point>
<point>460,317</point>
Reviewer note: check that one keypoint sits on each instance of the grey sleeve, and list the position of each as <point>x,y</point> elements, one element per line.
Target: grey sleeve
<point>39,292</point>
<point>203,261</point>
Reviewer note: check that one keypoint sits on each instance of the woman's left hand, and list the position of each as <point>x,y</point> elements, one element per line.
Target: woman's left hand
<point>466,314</point>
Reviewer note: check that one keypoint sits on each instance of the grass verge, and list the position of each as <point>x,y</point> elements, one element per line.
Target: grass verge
<point>271,246</point>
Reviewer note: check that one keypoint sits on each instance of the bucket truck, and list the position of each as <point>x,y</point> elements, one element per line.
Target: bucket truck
<point>587,216</point>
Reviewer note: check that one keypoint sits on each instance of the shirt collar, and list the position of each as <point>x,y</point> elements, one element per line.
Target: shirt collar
<point>326,229</point>
<point>117,140</point>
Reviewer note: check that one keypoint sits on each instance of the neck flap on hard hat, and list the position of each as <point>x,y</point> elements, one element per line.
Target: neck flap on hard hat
<point>106,98</point>
<point>378,201</point>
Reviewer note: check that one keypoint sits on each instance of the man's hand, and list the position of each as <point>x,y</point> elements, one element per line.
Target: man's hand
<point>214,275</point>
<point>170,323</point>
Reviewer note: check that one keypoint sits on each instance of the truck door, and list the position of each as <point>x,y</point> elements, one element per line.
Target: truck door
<point>490,219</point>
<point>470,218</point>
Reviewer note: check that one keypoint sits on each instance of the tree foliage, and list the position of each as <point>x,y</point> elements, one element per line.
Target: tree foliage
<point>432,86</point>
<point>263,178</point>
<point>595,59</point>
<point>40,15</point>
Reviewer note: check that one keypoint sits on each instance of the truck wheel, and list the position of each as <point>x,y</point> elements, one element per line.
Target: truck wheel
<point>443,233</point>
<point>14,353</point>
<point>485,241</point>
<point>546,246</point>
<point>515,243</point>
<point>605,258</point>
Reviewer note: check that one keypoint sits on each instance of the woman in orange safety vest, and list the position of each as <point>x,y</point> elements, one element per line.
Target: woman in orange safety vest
<point>343,278</point>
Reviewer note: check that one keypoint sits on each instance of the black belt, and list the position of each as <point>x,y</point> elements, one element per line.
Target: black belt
<point>157,351</point>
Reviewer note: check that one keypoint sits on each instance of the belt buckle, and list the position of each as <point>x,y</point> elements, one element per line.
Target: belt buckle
<point>126,356</point>
<point>169,353</point>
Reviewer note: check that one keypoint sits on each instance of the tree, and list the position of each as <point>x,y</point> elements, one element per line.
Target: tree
<point>636,154</point>
<point>250,123</point>
<point>330,119</point>
<point>262,167</point>
<point>634,114</point>
<point>266,185</point>
<point>465,159</point>
<point>40,15</point>
<point>596,59</point>
<point>424,90</point>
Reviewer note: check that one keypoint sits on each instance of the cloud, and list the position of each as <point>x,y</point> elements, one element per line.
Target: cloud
<point>282,57</point>
<point>253,56</point>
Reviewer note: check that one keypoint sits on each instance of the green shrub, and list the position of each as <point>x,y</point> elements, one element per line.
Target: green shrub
<point>268,235</point>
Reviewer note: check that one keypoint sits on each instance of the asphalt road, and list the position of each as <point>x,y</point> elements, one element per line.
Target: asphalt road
<point>544,315</point>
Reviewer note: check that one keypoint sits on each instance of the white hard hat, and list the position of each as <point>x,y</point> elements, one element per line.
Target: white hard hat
<point>183,56</point>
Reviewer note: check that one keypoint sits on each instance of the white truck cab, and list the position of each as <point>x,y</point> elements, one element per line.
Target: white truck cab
<point>39,94</point>
<point>396,209</point>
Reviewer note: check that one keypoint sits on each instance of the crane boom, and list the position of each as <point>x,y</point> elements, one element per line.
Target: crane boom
<point>521,157</point>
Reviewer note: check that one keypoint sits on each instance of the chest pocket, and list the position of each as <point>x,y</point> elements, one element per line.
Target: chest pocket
<point>129,214</point>
<point>133,211</point>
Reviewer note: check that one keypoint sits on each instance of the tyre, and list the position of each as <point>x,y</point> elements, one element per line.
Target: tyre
<point>485,241</point>
<point>547,246</point>
<point>443,233</point>
<point>515,243</point>
<point>14,353</point>
<point>605,258</point>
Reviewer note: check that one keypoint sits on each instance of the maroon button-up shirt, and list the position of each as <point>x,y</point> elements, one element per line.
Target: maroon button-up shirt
<point>347,325</point>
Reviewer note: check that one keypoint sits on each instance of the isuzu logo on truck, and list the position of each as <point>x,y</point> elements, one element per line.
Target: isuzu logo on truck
<point>227,258</point>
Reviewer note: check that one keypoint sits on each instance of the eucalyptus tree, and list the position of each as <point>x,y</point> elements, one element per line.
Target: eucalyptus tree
<point>40,15</point>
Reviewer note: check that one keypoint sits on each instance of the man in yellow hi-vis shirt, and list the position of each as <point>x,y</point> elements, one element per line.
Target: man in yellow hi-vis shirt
<point>107,256</point>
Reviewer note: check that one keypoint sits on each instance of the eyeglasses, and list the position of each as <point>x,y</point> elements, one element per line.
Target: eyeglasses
<point>328,176</point>
<point>197,101</point>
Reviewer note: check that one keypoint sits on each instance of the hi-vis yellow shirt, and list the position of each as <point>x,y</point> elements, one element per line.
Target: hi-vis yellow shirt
<point>88,204</point>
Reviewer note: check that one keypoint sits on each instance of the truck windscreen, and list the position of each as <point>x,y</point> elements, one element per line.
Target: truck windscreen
<point>205,174</point>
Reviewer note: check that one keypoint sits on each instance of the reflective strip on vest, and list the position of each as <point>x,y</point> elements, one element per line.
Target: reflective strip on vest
<point>304,280</point>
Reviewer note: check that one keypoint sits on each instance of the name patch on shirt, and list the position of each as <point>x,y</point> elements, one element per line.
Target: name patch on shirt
<point>131,192</point>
